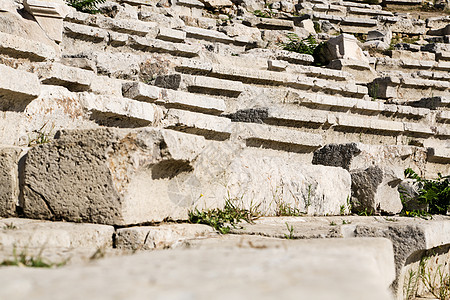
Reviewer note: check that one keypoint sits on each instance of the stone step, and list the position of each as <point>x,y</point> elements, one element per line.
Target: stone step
<point>247,75</point>
<point>35,234</point>
<point>128,26</point>
<point>18,47</point>
<point>439,154</point>
<point>408,88</point>
<point>192,102</point>
<point>155,45</point>
<point>319,269</point>
<point>368,12</point>
<point>110,109</point>
<point>201,84</point>
<point>85,32</point>
<point>411,237</point>
<point>266,136</point>
<point>74,79</point>
<point>206,34</point>
<point>211,127</point>
<point>171,35</point>
<point>17,88</point>
<point>358,123</point>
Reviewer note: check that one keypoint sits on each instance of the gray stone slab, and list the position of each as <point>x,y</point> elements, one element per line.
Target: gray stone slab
<point>9,180</point>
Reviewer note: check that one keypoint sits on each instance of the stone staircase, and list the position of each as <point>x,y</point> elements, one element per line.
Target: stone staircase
<point>131,118</point>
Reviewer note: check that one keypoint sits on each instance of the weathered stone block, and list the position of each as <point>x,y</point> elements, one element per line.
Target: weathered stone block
<point>17,88</point>
<point>9,180</point>
<point>374,190</point>
<point>107,176</point>
<point>19,47</point>
<point>343,46</point>
<point>74,79</point>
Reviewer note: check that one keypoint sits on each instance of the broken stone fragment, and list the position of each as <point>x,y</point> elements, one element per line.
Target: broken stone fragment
<point>374,190</point>
<point>49,15</point>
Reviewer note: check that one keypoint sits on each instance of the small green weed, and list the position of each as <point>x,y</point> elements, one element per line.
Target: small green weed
<point>222,219</point>
<point>289,236</point>
<point>366,212</point>
<point>434,193</point>
<point>25,260</point>
<point>332,223</point>
<point>42,136</point>
<point>295,44</point>
<point>10,226</point>
<point>285,210</point>
<point>86,6</point>
<point>263,13</point>
<point>345,222</point>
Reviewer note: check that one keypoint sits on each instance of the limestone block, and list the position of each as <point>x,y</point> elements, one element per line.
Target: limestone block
<point>218,3</point>
<point>171,35</point>
<point>439,154</point>
<point>206,34</point>
<point>380,35</point>
<point>343,46</point>
<point>308,25</point>
<point>105,106</point>
<point>17,88</point>
<point>120,177</point>
<point>155,45</point>
<point>16,46</point>
<point>78,62</point>
<point>106,86</point>
<point>279,138</point>
<point>276,65</point>
<point>293,116</point>
<point>192,102</point>
<point>49,15</point>
<point>140,91</point>
<point>74,79</point>
<point>160,237</point>
<point>128,26</point>
<point>375,190</point>
<point>295,58</point>
<point>360,69</point>
<point>236,30</point>
<point>211,127</point>
<point>444,116</point>
<point>84,32</point>
<point>274,24</point>
<point>201,84</point>
<point>43,235</point>
<point>9,180</point>
<point>117,39</point>
<point>190,3</point>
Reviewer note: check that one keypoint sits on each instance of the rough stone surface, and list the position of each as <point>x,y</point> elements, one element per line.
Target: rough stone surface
<point>9,180</point>
<point>336,155</point>
<point>106,186</point>
<point>375,190</point>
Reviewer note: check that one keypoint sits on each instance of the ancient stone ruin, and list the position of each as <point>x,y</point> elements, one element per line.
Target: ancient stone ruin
<point>126,122</point>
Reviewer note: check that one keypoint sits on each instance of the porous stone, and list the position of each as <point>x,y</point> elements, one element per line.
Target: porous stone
<point>375,190</point>
<point>106,186</point>
<point>9,180</point>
